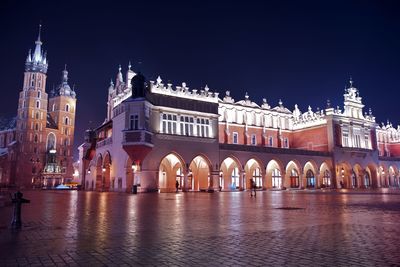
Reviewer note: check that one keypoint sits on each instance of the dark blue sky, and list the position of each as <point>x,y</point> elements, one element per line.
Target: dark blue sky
<point>301,51</point>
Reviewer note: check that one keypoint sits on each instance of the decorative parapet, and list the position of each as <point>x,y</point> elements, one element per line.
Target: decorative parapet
<point>307,119</point>
<point>104,142</point>
<point>157,87</point>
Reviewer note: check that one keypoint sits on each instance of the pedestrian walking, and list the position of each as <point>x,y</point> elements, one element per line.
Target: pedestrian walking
<point>176,186</point>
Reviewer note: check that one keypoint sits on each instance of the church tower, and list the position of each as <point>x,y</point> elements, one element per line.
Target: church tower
<point>62,107</point>
<point>32,116</point>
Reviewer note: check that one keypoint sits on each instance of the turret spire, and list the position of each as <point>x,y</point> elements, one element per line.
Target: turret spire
<point>37,61</point>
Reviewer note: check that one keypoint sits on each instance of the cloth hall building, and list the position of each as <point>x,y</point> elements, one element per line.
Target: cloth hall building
<point>156,135</point>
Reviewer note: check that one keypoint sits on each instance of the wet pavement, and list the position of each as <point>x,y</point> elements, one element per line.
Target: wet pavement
<point>291,228</point>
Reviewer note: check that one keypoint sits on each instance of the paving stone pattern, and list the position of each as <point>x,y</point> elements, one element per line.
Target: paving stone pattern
<point>334,228</point>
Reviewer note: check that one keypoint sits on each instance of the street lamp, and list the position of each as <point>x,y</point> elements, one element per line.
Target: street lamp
<point>88,171</point>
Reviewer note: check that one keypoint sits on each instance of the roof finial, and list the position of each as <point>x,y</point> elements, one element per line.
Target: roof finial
<point>351,82</point>
<point>129,65</point>
<point>65,67</point>
<point>40,29</point>
<point>119,68</point>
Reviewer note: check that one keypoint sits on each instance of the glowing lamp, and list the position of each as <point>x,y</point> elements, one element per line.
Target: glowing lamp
<point>134,167</point>
<point>104,169</point>
<point>88,171</point>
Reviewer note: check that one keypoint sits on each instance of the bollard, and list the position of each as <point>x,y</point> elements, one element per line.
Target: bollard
<point>16,222</point>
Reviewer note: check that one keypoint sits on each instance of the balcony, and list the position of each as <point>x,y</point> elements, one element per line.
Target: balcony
<point>139,137</point>
<point>104,142</point>
<point>137,143</point>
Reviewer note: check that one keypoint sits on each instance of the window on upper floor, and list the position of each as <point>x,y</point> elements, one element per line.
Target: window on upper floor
<point>37,104</point>
<point>345,139</point>
<point>235,138</point>
<point>187,125</point>
<point>286,142</point>
<point>169,122</point>
<point>202,127</point>
<point>357,140</point>
<point>270,141</point>
<point>39,94</point>
<point>134,122</point>
<point>67,108</point>
<point>66,121</point>
<point>253,139</point>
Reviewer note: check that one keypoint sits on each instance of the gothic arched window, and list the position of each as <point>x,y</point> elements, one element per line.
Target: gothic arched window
<point>67,108</point>
<point>51,141</point>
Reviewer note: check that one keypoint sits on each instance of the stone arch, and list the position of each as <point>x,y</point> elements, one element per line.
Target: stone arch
<point>325,176</point>
<point>311,174</point>
<point>382,174</point>
<point>199,176</point>
<point>293,175</point>
<point>99,170</point>
<point>343,175</point>
<point>106,170</point>
<point>392,176</point>
<point>274,174</point>
<point>171,170</point>
<point>231,174</point>
<point>357,176</point>
<point>373,171</point>
<point>254,169</point>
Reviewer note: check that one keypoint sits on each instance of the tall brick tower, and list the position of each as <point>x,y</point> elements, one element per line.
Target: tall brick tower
<point>32,117</point>
<point>45,126</point>
<point>62,106</point>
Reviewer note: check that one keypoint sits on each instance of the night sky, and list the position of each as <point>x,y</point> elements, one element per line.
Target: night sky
<point>300,51</point>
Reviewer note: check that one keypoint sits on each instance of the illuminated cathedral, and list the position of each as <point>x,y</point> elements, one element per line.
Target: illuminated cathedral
<point>36,146</point>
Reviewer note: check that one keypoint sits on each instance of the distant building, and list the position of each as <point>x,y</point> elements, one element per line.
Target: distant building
<point>156,135</point>
<point>36,150</point>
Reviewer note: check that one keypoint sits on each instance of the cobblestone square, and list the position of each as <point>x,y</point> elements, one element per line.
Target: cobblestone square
<point>277,228</point>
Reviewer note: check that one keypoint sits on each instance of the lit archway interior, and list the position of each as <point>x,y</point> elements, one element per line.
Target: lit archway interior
<point>171,170</point>
<point>274,175</point>
<point>199,174</point>
<point>106,173</point>
<point>253,171</point>
<point>325,176</point>
<point>230,174</point>
<point>292,175</point>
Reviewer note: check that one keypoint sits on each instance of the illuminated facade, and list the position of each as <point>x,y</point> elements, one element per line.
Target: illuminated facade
<point>37,148</point>
<point>156,134</point>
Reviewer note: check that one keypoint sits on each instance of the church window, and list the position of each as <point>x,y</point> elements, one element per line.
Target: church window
<point>37,104</point>
<point>66,121</point>
<point>39,94</point>
<point>24,104</point>
<point>53,107</point>
<point>37,126</point>
<point>33,80</point>
<point>67,108</point>
<point>35,138</point>
<point>37,115</point>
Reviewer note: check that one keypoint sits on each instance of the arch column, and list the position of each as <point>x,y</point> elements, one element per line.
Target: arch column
<point>185,180</point>
<point>242,182</point>
<point>214,180</point>
<point>284,180</point>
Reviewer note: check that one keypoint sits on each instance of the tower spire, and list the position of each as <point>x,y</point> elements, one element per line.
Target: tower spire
<point>40,30</point>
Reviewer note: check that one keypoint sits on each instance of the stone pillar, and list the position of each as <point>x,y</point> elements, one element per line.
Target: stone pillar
<point>185,181</point>
<point>214,181</point>
<point>242,182</point>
